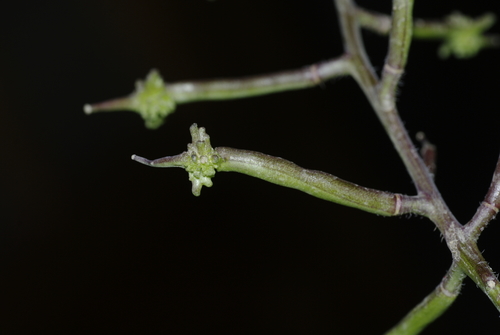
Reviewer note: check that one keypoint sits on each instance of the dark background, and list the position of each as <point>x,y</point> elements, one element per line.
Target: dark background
<point>92,242</point>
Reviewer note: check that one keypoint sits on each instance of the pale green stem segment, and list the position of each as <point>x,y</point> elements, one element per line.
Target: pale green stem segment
<point>462,36</point>
<point>225,89</point>
<point>433,305</point>
<point>154,99</point>
<point>399,46</point>
<point>201,161</point>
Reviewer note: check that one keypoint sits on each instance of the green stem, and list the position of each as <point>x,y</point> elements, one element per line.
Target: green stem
<point>422,28</point>
<point>317,183</point>
<point>461,35</point>
<point>399,46</point>
<point>225,89</point>
<point>202,161</point>
<point>154,99</point>
<point>433,305</point>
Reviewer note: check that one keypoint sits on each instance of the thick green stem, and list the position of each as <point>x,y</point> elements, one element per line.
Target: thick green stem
<point>317,183</point>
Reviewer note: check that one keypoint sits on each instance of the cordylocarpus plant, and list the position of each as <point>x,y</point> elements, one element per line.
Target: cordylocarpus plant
<point>460,36</point>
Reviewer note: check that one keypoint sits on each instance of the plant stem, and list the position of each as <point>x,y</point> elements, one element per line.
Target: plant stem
<point>224,89</point>
<point>433,305</point>
<point>317,183</point>
<point>399,46</point>
<point>285,173</point>
<point>489,207</point>
<point>154,99</point>
<point>463,248</point>
<point>383,102</point>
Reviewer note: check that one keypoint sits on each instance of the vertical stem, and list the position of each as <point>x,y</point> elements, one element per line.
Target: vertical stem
<point>399,46</point>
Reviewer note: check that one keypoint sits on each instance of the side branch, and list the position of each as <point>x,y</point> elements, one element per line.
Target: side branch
<point>154,99</point>
<point>488,209</point>
<point>317,183</point>
<point>462,36</point>
<point>202,161</point>
<point>225,89</point>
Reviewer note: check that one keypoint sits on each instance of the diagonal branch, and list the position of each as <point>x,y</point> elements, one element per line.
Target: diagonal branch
<point>435,304</point>
<point>154,99</point>
<point>489,207</point>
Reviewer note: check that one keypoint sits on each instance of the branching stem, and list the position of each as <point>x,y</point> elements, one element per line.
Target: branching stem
<point>462,36</point>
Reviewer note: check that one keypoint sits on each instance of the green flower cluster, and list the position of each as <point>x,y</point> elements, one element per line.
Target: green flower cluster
<point>151,100</point>
<point>202,160</point>
<point>465,37</point>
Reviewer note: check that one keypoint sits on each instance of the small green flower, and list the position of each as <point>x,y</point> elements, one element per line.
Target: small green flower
<point>152,100</point>
<point>465,38</point>
<point>200,160</point>
<point>203,159</point>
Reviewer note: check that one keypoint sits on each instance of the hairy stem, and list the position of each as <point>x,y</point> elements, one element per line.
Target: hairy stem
<point>489,207</point>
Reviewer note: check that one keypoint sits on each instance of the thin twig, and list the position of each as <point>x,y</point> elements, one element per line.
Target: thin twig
<point>225,89</point>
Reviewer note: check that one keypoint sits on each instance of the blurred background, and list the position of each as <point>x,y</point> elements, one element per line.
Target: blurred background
<point>92,242</point>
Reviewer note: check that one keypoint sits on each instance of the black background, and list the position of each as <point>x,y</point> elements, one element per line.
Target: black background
<point>92,242</point>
